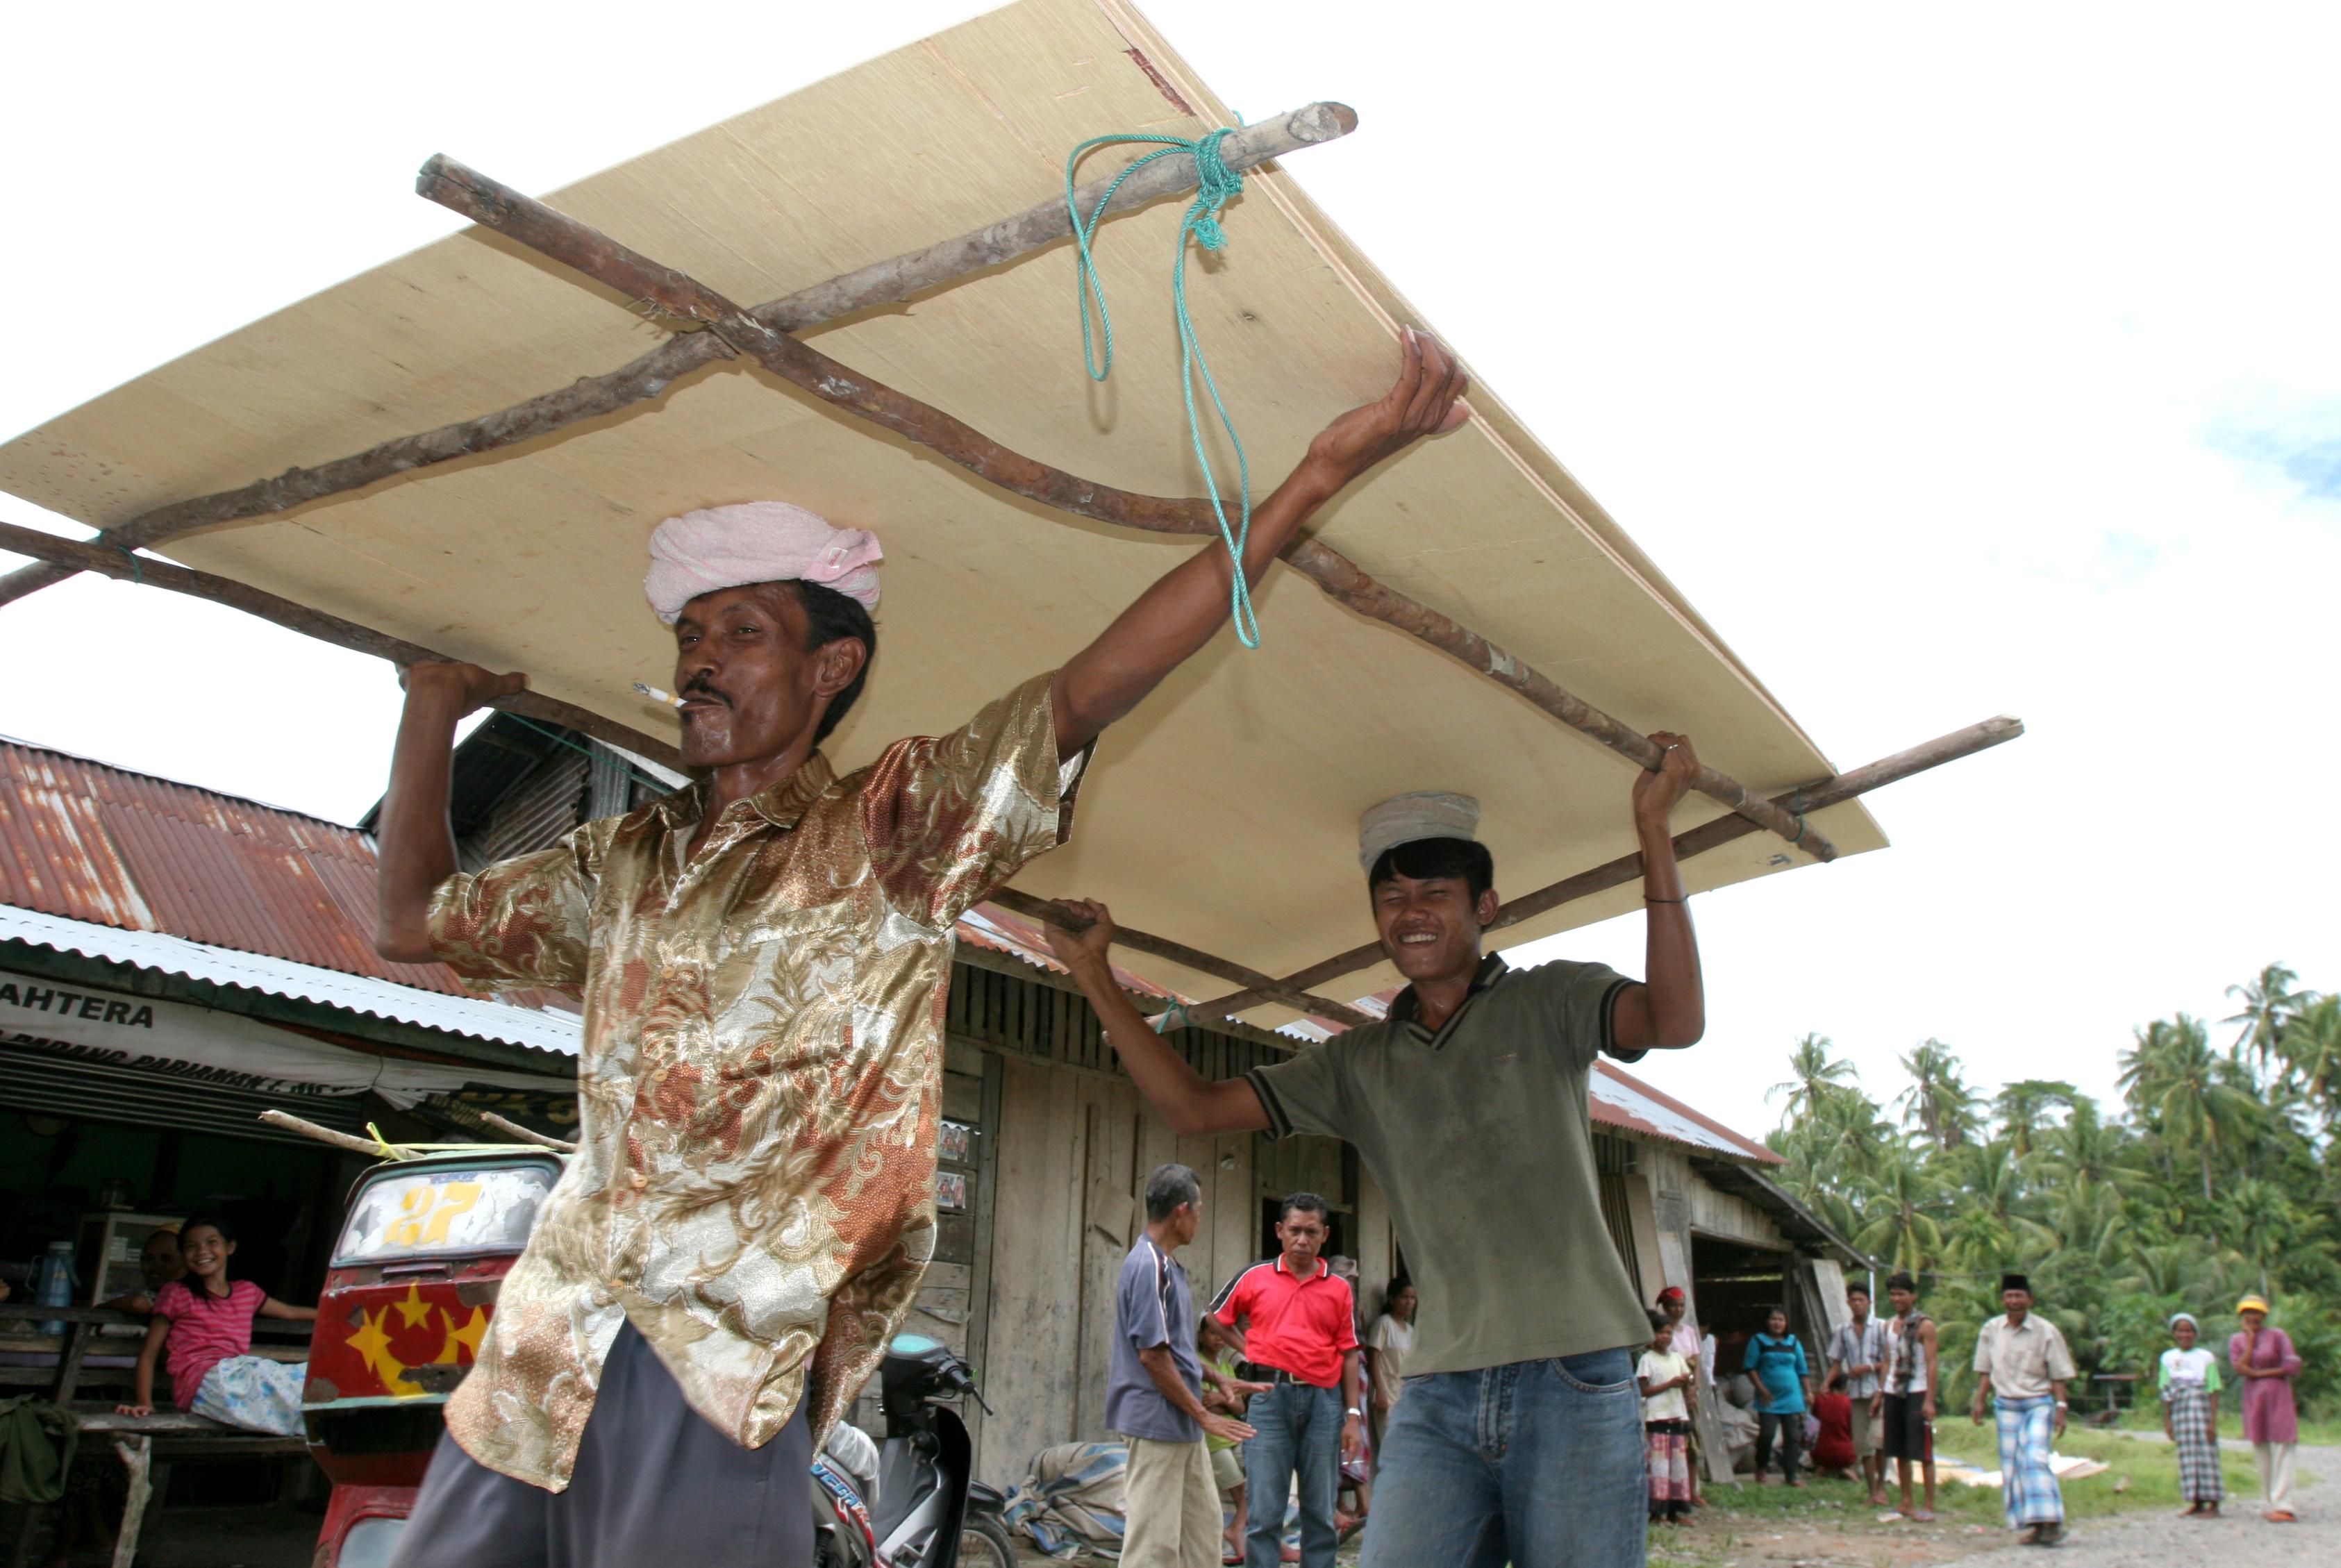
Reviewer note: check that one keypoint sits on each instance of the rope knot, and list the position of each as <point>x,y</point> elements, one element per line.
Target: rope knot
<point>1215,186</point>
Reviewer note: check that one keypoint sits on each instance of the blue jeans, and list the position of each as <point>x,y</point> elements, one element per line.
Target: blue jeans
<point>1294,1427</point>
<point>1539,1463</point>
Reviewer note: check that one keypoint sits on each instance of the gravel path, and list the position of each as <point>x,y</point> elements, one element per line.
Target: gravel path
<point>2238,1538</point>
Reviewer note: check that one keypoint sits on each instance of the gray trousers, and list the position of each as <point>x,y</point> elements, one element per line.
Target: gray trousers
<point>655,1486</point>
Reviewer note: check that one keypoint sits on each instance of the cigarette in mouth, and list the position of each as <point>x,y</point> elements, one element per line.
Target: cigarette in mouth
<point>654,694</point>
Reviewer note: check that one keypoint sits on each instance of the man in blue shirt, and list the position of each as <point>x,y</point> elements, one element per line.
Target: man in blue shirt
<point>1154,1387</point>
<point>1783,1379</point>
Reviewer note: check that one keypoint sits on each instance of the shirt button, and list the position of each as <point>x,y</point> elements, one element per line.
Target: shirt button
<point>638,1180</point>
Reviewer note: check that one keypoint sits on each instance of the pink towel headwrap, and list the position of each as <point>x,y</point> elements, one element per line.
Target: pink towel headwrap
<point>756,542</point>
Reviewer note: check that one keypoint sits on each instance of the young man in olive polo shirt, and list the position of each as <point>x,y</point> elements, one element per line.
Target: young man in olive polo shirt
<point>1521,1439</point>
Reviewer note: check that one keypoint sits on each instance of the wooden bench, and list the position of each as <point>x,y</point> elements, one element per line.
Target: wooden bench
<point>147,1444</point>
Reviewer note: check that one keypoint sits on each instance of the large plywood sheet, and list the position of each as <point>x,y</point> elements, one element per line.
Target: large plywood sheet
<point>1223,814</point>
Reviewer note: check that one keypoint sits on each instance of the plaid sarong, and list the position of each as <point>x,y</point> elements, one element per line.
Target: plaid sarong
<point>2195,1433</point>
<point>2027,1486</point>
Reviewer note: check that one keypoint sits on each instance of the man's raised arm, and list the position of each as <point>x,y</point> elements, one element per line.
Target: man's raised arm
<point>1195,1107</point>
<point>1668,1009</point>
<point>1171,621</point>
<point>417,847</point>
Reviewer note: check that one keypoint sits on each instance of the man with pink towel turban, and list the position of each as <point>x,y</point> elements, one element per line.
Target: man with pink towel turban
<point>756,542</point>
<point>762,959</point>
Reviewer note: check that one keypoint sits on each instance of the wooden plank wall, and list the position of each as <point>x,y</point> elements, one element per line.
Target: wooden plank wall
<point>1074,1151</point>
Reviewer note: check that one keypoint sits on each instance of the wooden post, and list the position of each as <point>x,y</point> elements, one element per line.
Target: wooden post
<point>646,378</point>
<point>292,1124</point>
<point>82,555</point>
<point>1055,913</point>
<point>78,1335</point>
<point>526,1135</point>
<point>597,255</point>
<point>1626,868</point>
<point>137,1458</point>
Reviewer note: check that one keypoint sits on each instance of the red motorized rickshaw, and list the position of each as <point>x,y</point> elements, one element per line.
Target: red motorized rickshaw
<point>412,1286</point>
<point>407,1299</point>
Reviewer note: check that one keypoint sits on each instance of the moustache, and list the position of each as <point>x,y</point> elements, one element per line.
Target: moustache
<point>700,688</point>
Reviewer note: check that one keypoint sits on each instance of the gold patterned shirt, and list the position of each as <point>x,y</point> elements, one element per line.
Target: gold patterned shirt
<point>760,1076</point>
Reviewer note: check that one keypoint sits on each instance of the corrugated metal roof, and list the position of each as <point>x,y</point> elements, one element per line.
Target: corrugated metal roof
<point>1623,1101</point>
<point>990,927</point>
<point>89,843</point>
<point>549,1031</point>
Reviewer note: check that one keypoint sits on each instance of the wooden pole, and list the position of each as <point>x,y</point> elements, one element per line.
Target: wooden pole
<point>81,555</point>
<point>1267,986</point>
<point>1343,580</point>
<point>589,251</point>
<point>597,255</point>
<point>645,378</point>
<point>354,1144</point>
<point>526,1135</point>
<point>1626,868</point>
<point>138,1462</point>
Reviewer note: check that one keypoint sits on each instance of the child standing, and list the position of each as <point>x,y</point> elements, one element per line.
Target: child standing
<point>1667,1383</point>
<point>1215,1344</point>
<point>204,1320</point>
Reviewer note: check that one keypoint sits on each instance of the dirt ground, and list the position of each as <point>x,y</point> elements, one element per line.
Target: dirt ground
<point>1847,1537</point>
<point>1857,1537</point>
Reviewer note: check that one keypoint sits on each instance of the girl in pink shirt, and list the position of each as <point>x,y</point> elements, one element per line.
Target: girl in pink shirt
<point>204,1324</point>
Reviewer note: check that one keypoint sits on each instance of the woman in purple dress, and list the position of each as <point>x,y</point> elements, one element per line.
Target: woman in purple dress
<point>2264,1359</point>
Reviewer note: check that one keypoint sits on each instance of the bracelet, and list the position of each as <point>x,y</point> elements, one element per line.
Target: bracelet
<point>1647,899</point>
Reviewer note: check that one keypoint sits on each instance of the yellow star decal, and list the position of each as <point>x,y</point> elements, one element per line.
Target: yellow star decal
<point>371,1342</point>
<point>468,1336</point>
<point>414,1309</point>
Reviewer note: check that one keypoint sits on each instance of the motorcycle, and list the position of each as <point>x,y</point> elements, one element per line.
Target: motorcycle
<point>914,1503</point>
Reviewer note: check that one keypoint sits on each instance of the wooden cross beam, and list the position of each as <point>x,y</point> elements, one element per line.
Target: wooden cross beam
<point>74,556</point>
<point>894,281</point>
<point>564,239</point>
<point>1263,987</point>
<point>1628,867</point>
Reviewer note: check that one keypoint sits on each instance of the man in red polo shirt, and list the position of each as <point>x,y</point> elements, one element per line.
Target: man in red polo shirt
<point>1300,1331</point>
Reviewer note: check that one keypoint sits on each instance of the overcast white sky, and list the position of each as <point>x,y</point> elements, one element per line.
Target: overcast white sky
<point>1950,367</point>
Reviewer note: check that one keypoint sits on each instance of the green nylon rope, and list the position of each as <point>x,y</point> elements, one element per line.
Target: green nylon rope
<point>1215,186</point>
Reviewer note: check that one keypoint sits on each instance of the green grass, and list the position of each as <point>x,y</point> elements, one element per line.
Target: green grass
<point>2147,1417</point>
<point>2141,1474</point>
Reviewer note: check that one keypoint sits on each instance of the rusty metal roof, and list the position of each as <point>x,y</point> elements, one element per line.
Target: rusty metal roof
<point>1622,1100</point>
<point>90,842</point>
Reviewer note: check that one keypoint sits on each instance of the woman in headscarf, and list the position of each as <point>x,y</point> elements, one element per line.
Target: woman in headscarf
<point>2190,1415</point>
<point>2268,1364</point>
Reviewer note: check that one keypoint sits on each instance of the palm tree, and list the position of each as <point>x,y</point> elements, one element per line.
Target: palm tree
<point>2172,1077</point>
<point>1902,1227</point>
<point>2021,1105</point>
<point>1813,1073</point>
<point>2261,1222</point>
<point>2268,1006</point>
<point>2088,1149</point>
<point>2311,1047</point>
<point>1938,1099</point>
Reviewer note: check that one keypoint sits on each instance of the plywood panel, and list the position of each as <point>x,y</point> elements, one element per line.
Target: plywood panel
<point>532,558</point>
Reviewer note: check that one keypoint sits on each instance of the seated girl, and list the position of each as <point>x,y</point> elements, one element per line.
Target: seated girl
<point>205,1321</point>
